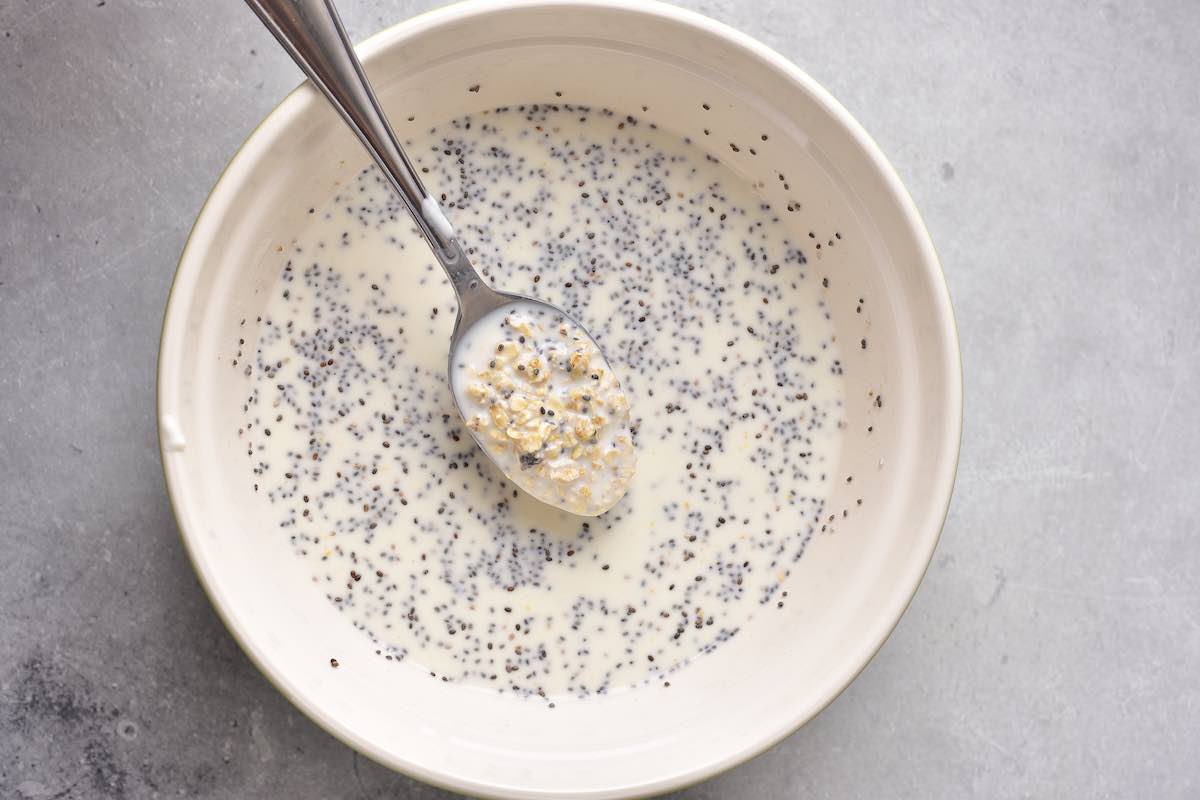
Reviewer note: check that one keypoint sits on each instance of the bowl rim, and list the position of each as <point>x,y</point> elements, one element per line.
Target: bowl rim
<point>950,354</point>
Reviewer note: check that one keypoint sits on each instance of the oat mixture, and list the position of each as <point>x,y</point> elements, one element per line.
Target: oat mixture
<point>540,398</point>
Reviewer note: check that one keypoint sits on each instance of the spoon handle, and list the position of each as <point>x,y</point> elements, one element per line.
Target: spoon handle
<point>312,33</point>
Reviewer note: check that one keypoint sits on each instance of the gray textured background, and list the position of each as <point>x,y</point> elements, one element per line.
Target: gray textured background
<point>1053,650</point>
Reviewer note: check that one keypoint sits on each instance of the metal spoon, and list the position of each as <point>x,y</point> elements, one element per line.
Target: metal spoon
<point>312,33</point>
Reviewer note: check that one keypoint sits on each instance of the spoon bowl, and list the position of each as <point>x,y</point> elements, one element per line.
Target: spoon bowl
<point>541,400</point>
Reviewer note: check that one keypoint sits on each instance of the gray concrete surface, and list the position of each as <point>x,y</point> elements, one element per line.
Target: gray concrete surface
<point>1053,649</point>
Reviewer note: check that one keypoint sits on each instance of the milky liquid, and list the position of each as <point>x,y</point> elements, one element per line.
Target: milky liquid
<point>704,307</point>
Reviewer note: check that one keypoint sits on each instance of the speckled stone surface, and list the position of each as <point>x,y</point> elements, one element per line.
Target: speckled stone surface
<point>1054,646</point>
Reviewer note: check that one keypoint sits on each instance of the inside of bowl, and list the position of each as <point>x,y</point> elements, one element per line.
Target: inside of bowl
<point>778,133</point>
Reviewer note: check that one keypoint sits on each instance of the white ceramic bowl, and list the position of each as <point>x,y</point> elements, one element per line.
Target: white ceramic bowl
<point>847,592</point>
